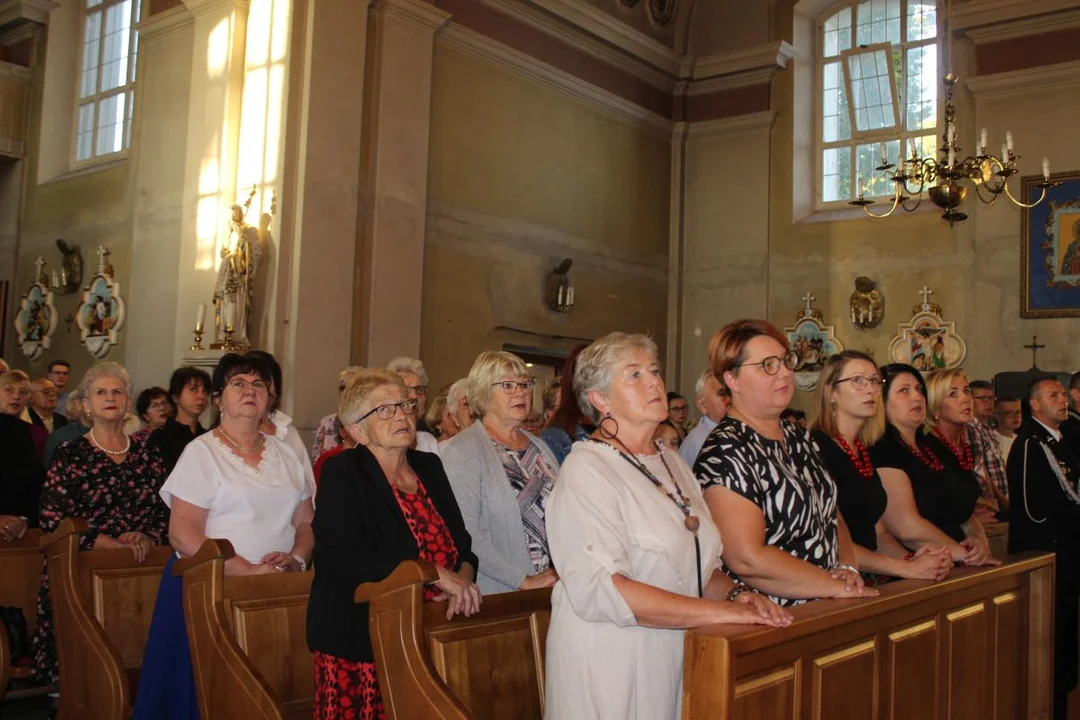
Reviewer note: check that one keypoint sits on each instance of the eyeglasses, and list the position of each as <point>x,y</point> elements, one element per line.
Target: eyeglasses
<point>983,398</point>
<point>418,389</point>
<point>509,386</point>
<point>243,386</point>
<point>859,382</point>
<point>159,406</point>
<point>772,364</point>
<point>388,411</point>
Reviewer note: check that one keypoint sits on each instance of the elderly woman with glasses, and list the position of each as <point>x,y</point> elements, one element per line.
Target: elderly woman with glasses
<point>849,418</point>
<point>766,486</point>
<point>502,476</point>
<point>234,482</point>
<point>415,377</point>
<point>106,478</point>
<point>380,503</point>
<point>638,555</point>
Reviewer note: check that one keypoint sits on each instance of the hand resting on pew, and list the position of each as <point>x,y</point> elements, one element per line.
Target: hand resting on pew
<point>12,527</point>
<point>139,543</point>
<point>463,594</point>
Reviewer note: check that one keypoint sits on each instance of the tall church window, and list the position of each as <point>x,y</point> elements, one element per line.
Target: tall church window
<point>106,84</point>
<point>878,78</point>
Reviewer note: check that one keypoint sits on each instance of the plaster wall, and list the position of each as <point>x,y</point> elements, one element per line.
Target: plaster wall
<point>520,177</point>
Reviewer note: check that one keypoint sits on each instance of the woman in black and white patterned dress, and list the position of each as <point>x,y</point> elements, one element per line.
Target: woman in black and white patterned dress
<point>764,481</point>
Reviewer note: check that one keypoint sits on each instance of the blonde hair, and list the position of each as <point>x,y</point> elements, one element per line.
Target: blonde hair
<point>595,367</point>
<point>346,375</point>
<point>937,389</point>
<point>489,368</point>
<point>12,377</point>
<point>435,411</point>
<point>824,419</point>
<point>355,398</point>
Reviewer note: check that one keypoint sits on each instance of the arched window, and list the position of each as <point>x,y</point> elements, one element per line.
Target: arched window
<point>878,78</point>
<point>106,81</point>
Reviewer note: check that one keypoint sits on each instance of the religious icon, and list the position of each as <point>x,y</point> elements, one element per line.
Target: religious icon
<point>1050,249</point>
<point>102,313</point>
<point>927,342</point>
<point>234,290</point>
<point>867,305</point>
<point>36,319</point>
<point>814,342</point>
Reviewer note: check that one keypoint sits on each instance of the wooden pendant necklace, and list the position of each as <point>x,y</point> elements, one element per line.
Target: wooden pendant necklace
<point>690,522</point>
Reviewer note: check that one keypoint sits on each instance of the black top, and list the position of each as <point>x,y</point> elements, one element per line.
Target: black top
<point>1046,510</point>
<point>947,497</point>
<point>361,536</point>
<point>860,500</point>
<point>171,439</point>
<point>788,481</point>
<point>58,420</point>
<point>21,472</point>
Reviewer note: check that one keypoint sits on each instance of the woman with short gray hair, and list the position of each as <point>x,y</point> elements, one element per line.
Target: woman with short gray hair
<point>502,476</point>
<point>636,566</point>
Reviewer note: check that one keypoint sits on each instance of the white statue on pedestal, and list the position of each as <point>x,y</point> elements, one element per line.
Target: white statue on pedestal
<point>234,289</point>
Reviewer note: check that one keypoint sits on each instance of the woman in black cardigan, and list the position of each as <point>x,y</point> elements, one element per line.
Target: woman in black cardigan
<point>378,505</point>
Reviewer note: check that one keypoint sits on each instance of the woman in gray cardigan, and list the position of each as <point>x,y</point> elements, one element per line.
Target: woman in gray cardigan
<point>502,476</point>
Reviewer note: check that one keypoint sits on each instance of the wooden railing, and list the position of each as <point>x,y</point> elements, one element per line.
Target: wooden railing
<point>102,604</point>
<point>248,639</point>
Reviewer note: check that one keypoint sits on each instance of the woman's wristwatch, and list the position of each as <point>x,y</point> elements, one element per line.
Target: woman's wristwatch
<point>302,562</point>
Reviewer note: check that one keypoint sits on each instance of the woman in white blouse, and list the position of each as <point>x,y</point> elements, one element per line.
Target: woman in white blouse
<point>637,553</point>
<point>237,483</point>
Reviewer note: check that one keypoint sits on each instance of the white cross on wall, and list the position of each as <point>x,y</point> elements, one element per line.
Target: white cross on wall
<point>926,293</point>
<point>809,300</point>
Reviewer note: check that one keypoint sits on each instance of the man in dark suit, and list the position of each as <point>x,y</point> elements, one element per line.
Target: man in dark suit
<point>21,478</point>
<point>1043,472</point>
<point>42,408</point>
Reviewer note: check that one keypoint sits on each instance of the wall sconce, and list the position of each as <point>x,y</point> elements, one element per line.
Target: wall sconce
<point>70,277</point>
<point>560,292</point>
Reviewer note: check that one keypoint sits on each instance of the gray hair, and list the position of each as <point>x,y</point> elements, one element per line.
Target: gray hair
<point>490,367</point>
<point>702,382</point>
<point>75,396</point>
<point>408,365</point>
<point>595,368</point>
<point>457,391</point>
<point>104,370</point>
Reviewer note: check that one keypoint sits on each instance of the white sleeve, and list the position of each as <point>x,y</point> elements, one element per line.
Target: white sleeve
<point>588,539</point>
<point>195,478</point>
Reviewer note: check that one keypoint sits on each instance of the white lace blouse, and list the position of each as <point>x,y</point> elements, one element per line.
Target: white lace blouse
<point>251,508</point>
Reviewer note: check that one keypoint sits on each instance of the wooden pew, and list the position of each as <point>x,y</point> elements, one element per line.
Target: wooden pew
<point>20,577</point>
<point>998,535</point>
<point>102,604</point>
<point>490,665</point>
<point>248,639</point>
<point>978,645</point>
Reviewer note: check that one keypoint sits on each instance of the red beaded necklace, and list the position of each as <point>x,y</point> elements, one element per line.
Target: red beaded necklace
<point>859,456</point>
<point>963,453</point>
<point>928,458</point>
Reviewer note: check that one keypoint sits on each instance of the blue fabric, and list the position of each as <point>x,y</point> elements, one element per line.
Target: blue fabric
<point>167,680</point>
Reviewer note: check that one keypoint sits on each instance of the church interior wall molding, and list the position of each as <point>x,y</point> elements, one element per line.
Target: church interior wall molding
<point>15,111</point>
<point>163,24</point>
<point>732,127</point>
<point>23,19</point>
<point>469,41</point>
<point>745,66</point>
<point>422,14</point>
<point>1019,82</point>
<point>199,8</point>
<point>970,15</point>
<point>1024,27</point>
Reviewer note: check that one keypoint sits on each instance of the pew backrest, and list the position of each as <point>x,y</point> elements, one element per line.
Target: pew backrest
<point>490,665</point>
<point>102,605</point>
<point>248,639</point>
<point>20,578</point>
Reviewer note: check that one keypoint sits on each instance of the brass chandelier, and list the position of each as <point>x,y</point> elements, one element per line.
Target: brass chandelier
<point>947,179</point>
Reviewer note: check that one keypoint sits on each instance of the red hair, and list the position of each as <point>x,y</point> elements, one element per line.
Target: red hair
<point>727,349</point>
<point>568,414</point>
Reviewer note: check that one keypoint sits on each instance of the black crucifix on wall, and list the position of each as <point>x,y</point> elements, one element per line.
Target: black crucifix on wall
<point>1034,347</point>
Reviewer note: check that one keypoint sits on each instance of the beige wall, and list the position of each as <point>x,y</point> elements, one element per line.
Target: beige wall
<point>520,177</point>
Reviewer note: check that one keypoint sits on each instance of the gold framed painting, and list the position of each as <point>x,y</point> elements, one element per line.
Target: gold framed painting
<point>1050,248</point>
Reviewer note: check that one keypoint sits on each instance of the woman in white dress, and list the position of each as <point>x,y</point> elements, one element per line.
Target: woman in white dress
<point>637,553</point>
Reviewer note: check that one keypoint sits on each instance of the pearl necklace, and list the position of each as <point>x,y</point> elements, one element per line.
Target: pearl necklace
<point>106,450</point>
<point>237,445</point>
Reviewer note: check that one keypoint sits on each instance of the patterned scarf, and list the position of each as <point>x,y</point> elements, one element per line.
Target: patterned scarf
<point>532,478</point>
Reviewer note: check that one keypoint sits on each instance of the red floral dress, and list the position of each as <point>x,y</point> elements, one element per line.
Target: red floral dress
<point>346,690</point>
<point>113,499</point>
